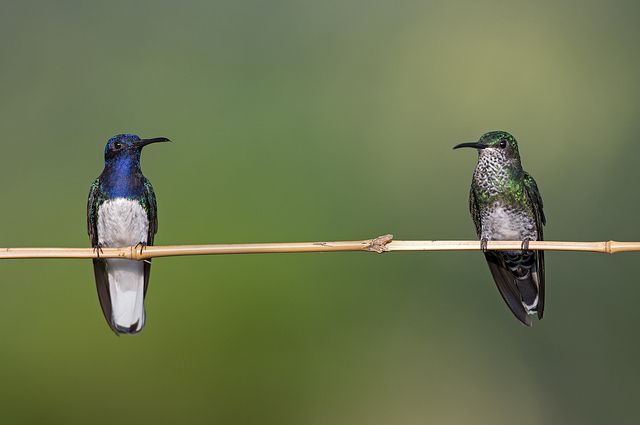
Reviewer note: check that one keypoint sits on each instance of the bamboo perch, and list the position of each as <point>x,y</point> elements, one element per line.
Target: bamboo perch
<point>380,244</point>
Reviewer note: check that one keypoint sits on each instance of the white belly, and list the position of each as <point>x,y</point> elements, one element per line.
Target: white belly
<point>501,223</point>
<point>122,222</point>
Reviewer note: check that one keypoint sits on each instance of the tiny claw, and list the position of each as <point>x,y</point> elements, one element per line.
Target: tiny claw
<point>525,244</point>
<point>141,246</point>
<point>98,250</point>
<point>483,244</point>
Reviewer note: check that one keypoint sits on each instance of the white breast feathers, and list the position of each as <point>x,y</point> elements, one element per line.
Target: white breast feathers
<point>122,222</point>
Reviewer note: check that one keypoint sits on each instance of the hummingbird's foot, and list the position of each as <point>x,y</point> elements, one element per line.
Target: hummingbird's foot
<point>141,246</point>
<point>483,244</point>
<point>98,250</point>
<point>525,244</point>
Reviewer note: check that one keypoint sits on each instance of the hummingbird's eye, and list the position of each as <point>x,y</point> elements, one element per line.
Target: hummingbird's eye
<point>117,145</point>
<point>503,143</point>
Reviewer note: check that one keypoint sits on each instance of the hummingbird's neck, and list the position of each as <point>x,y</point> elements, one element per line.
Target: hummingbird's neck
<point>495,174</point>
<point>122,177</point>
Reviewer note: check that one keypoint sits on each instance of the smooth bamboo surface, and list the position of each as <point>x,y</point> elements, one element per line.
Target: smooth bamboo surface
<point>380,244</point>
<point>608,247</point>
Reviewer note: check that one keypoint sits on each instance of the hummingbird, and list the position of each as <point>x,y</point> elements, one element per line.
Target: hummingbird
<point>505,204</point>
<point>122,211</point>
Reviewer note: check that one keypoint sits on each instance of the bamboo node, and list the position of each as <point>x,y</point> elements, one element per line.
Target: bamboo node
<point>609,247</point>
<point>380,243</point>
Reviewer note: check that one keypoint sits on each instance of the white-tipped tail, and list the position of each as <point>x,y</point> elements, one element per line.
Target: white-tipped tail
<point>126,288</point>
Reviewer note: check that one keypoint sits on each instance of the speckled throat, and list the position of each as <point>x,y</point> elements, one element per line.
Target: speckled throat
<point>497,176</point>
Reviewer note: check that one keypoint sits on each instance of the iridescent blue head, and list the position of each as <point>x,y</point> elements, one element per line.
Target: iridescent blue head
<point>122,176</point>
<point>127,147</point>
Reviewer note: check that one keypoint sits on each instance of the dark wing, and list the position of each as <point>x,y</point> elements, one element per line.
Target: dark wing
<point>507,285</point>
<point>534,196</point>
<point>149,202</point>
<point>102,286</point>
<point>475,212</point>
<point>536,201</point>
<point>96,198</point>
<point>150,206</point>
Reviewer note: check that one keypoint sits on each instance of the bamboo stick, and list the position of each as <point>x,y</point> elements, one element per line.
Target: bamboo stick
<point>380,244</point>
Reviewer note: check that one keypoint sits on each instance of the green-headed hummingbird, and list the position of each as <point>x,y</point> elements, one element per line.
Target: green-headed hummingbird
<point>505,204</point>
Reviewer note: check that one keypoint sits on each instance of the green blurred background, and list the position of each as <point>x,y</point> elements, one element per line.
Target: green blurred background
<point>303,121</point>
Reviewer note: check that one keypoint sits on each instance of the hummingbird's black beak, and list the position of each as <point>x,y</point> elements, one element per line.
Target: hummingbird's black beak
<point>475,145</point>
<point>145,142</point>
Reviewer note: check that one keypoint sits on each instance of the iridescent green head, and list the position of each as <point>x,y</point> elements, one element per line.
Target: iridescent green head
<point>499,143</point>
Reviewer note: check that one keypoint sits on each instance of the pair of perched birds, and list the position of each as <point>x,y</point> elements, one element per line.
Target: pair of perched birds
<point>504,201</point>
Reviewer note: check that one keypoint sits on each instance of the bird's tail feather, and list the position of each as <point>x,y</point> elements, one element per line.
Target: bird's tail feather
<point>519,276</point>
<point>126,290</point>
